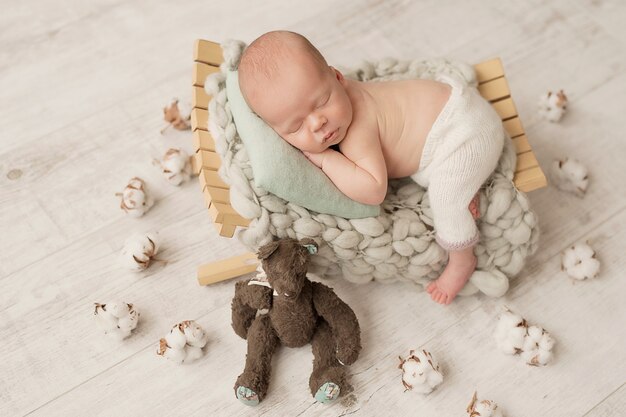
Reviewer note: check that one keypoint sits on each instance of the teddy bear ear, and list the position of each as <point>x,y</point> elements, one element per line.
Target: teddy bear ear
<point>310,245</point>
<point>266,250</point>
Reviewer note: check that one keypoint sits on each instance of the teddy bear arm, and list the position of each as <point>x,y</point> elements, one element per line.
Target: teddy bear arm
<point>247,300</point>
<point>342,321</point>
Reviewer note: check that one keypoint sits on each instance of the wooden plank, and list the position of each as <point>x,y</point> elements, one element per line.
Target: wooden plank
<point>210,178</point>
<point>203,140</point>
<point>505,108</point>
<point>200,72</point>
<point>514,127</point>
<point>199,119</point>
<point>200,98</point>
<point>521,144</point>
<point>525,161</point>
<point>225,214</point>
<point>227,269</point>
<point>208,52</point>
<point>495,89</point>
<point>531,179</point>
<point>489,70</point>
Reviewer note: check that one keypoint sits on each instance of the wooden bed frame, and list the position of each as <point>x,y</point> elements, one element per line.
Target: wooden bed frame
<point>492,85</point>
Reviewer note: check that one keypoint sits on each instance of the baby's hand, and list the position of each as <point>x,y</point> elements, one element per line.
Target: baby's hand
<point>316,158</point>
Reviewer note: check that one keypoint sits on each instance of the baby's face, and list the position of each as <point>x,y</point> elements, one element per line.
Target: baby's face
<point>307,106</point>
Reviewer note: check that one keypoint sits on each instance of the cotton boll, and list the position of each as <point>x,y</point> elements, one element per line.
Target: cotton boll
<point>176,166</point>
<point>552,106</point>
<point>570,175</point>
<point>537,349</point>
<point>139,250</point>
<point>192,353</point>
<point>483,408</point>
<point>579,262</point>
<point>194,334</point>
<point>176,338</point>
<point>130,321</point>
<point>175,355</point>
<point>118,309</point>
<point>136,200</point>
<point>510,332</point>
<point>108,318</point>
<point>106,321</point>
<point>420,372</point>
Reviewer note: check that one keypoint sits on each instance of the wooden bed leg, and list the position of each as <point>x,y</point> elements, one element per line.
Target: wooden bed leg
<point>228,268</point>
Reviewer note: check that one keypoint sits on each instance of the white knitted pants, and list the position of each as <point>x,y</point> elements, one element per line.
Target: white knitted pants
<point>461,151</point>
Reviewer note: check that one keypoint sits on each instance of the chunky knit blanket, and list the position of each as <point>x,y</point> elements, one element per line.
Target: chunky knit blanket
<point>399,244</point>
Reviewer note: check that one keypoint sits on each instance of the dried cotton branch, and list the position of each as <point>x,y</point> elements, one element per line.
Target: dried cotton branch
<point>579,262</point>
<point>183,343</point>
<point>140,250</point>
<point>514,336</point>
<point>175,165</point>
<point>117,319</point>
<point>135,198</point>
<point>483,408</point>
<point>552,106</point>
<point>570,175</point>
<point>420,372</point>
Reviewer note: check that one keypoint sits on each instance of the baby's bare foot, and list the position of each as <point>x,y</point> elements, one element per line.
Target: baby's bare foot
<point>447,286</point>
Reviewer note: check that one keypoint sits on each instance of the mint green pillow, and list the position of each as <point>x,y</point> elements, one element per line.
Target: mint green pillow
<point>282,169</point>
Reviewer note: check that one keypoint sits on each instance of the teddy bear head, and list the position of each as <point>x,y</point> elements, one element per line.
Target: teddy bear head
<point>285,263</point>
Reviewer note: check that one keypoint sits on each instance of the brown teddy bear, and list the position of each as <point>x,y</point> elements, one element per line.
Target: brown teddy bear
<point>299,311</point>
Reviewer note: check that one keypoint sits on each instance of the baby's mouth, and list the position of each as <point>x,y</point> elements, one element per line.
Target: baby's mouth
<point>330,135</point>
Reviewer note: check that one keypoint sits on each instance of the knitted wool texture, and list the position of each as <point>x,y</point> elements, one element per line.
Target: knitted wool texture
<point>399,244</point>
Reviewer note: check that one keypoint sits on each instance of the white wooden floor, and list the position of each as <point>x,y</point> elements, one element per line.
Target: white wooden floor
<point>82,85</point>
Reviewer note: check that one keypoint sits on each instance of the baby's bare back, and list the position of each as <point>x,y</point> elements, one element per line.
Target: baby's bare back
<point>405,112</point>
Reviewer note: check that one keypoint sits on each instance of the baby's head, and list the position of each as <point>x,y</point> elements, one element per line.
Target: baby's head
<point>287,82</point>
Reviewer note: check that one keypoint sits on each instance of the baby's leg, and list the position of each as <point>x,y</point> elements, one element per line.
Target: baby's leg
<point>454,202</point>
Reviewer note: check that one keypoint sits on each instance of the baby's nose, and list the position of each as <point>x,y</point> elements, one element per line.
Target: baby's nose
<point>318,122</point>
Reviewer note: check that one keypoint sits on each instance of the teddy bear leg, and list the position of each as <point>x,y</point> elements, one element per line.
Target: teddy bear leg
<point>329,375</point>
<point>252,384</point>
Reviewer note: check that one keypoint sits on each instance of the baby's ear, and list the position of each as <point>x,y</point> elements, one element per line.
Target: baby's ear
<point>337,74</point>
<point>266,250</point>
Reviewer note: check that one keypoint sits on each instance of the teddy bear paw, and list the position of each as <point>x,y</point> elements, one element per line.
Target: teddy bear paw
<point>327,393</point>
<point>247,396</point>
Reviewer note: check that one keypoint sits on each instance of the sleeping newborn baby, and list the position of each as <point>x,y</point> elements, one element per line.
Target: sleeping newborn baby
<point>443,135</point>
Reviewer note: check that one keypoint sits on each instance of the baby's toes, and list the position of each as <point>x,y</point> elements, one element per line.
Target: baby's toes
<point>442,297</point>
<point>431,287</point>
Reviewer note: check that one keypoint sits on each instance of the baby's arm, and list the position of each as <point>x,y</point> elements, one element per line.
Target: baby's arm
<point>363,179</point>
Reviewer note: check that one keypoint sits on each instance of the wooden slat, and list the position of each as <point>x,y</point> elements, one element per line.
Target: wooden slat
<point>200,98</point>
<point>201,71</point>
<point>203,140</point>
<point>196,164</point>
<point>505,108</point>
<point>227,269</point>
<point>210,160</point>
<point>494,89</point>
<point>208,52</point>
<point>514,127</point>
<point>225,214</point>
<point>225,230</point>
<point>521,144</point>
<point>219,195</point>
<point>525,161</point>
<point>488,70</point>
<point>210,178</point>
<point>199,119</point>
<point>530,180</point>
